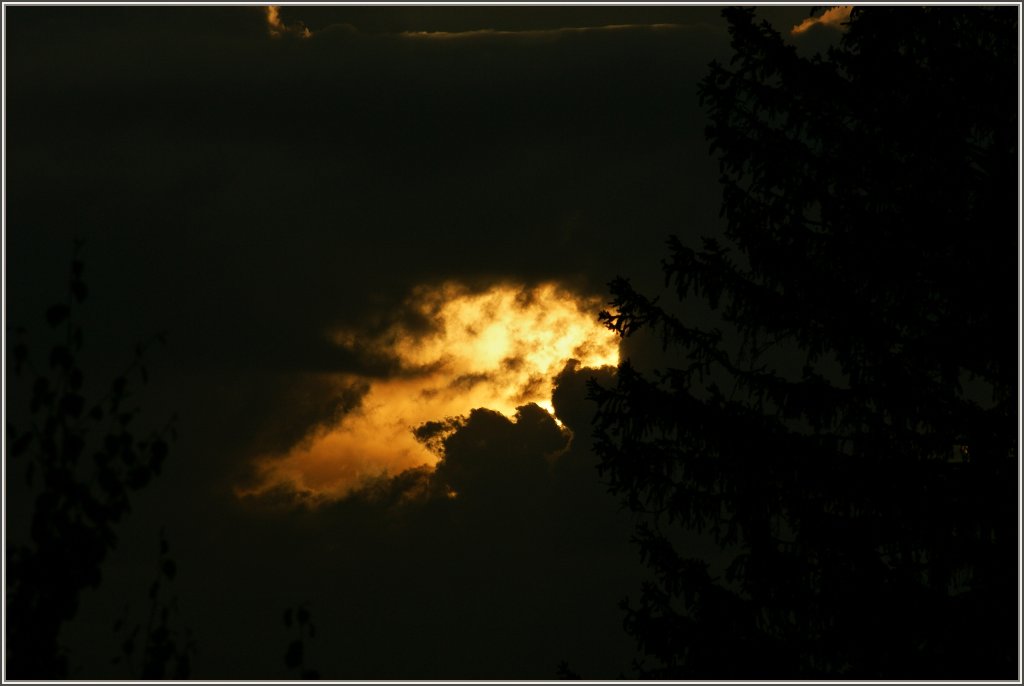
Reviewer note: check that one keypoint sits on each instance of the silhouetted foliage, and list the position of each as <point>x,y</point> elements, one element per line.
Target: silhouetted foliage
<point>566,673</point>
<point>166,651</point>
<point>847,433</point>
<point>295,655</point>
<point>82,460</point>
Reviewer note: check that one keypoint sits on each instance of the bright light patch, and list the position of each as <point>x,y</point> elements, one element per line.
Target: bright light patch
<point>834,17</point>
<point>498,349</point>
<point>274,24</point>
<point>278,28</point>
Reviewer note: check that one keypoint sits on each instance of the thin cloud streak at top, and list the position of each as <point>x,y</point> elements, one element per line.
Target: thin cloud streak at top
<point>537,33</point>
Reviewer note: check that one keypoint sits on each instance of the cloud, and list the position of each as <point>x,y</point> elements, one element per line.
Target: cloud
<point>494,457</point>
<point>452,350</point>
<point>277,28</point>
<point>491,458</point>
<point>534,34</point>
<point>834,17</point>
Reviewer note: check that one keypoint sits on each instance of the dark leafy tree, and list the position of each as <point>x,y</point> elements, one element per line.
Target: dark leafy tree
<point>82,461</point>
<point>295,656</point>
<point>166,651</point>
<point>845,429</point>
<point>566,673</point>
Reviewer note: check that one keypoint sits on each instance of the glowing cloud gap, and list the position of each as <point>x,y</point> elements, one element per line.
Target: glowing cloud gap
<point>833,17</point>
<point>499,348</point>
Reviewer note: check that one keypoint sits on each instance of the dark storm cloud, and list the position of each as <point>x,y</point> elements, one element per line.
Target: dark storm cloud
<point>492,455</point>
<point>528,462</point>
<point>489,463</point>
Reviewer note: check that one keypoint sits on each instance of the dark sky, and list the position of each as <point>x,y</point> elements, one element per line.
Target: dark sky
<point>258,196</point>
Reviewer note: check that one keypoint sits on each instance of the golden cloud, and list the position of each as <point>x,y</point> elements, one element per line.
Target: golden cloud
<point>278,28</point>
<point>834,17</point>
<point>499,348</point>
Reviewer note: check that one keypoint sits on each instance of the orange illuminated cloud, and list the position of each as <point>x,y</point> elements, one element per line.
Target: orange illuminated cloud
<point>498,348</point>
<point>834,17</point>
<point>278,28</point>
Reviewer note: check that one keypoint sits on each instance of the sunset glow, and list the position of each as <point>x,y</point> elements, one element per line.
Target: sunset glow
<point>277,28</point>
<point>499,349</point>
<point>834,17</point>
<point>274,20</point>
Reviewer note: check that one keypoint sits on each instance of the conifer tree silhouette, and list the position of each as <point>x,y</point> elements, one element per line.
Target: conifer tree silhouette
<point>867,501</point>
